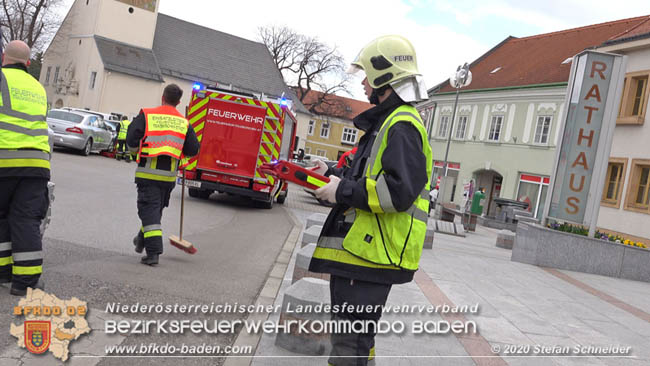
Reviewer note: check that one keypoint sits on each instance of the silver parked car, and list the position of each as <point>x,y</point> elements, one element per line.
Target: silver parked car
<point>111,121</point>
<point>78,130</point>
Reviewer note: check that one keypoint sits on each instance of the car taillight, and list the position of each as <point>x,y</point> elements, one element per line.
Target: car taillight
<point>74,130</point>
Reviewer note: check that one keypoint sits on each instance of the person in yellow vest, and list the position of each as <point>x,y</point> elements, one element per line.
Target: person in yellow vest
<point>373,237</point>
<point>162,137</point>
<point>122,152</point>
<point>24,170</point>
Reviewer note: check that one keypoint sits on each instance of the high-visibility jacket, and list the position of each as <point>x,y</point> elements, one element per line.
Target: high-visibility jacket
<point>164,136</point>
<point>165,132</point>
<point>124,127</point>
<point>384,238</point>
<point>23,129</point>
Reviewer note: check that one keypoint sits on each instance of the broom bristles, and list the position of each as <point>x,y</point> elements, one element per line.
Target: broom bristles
<point>183,245</point>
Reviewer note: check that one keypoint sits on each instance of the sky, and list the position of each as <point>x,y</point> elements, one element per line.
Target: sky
<point>445,33</point>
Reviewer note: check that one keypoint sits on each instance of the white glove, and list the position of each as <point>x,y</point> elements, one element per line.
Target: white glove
<point>328,191</point>
<point>321,167</point>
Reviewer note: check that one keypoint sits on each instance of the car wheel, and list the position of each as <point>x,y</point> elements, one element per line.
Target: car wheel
<point>87,148</point>
<point>193,192</point>
<point>281,198</point>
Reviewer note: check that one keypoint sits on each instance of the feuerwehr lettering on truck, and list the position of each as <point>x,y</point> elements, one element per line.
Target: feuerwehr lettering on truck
<point>235,116</point>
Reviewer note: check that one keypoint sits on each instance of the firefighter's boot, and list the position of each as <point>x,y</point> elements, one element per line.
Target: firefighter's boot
<point>150,259</point>
<point>138,241</point>
<point>22,292</point>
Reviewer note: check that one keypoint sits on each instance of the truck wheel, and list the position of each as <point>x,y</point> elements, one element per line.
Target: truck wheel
<point>281,198</point>
<point>204,194</point>
<point>264,204</point>
<point>199,193</point>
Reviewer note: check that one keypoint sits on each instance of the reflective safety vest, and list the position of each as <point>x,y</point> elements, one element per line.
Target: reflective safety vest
<point>384,238</point>
<point>24,140</point>
<point>165,133</point>
<point>164,136</point>
<point>124,127</point>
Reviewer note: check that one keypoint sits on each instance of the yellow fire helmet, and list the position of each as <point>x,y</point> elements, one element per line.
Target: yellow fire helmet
<point>390,60</point>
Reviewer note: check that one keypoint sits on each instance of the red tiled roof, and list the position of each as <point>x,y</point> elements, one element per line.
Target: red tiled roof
<point>538,59</point>
<point>334,105</point>
<point>641,29</point>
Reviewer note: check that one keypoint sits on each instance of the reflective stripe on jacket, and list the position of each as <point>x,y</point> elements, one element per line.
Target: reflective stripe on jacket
<point>165,132</point>
<point>24,140</point>
<point>384,238</point>
<point>124,127</point>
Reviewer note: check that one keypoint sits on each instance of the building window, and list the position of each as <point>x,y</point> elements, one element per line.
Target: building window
<point>56,75</point>
<point>634,102</point>
<point>325,130</point>
<point>614,182</point>
<point>532,190</point>
<point>322,153</point>
<point>349,136</point>
<point>461,128</point>
<point>310,127</point>
<point>495,128</point>
<point>444,125</point>
<point>542,130</point>
<point>638,194</point>
<point>47,75</point>
<point>307,150</point>
<point>93,76</point>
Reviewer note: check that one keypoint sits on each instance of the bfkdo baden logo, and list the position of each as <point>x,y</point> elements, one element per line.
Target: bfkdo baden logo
<point>37,335</point>
<point>50,324</point>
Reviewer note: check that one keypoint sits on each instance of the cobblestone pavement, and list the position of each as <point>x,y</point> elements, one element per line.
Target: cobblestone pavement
<point>527,315</point>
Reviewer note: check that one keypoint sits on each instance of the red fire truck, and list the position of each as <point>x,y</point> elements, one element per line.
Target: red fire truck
<point>238,132</point>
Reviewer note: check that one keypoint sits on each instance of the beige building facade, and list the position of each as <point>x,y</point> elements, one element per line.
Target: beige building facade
<point>330,137</point>
<point>118,55</point>
<point>329,131</point>
<point>625,204</point>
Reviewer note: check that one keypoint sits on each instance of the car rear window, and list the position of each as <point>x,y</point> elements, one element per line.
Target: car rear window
<point>66,116</point>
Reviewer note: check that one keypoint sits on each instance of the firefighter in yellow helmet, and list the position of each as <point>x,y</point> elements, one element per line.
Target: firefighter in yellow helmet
<point>373,236</point>
<point>24,170</point>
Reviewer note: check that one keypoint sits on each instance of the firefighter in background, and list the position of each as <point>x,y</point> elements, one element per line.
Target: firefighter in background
<point>122,152</point>
<point>24,170</point>
<point>161,136</point>
<point>373,237</point>
<point>346,158</point>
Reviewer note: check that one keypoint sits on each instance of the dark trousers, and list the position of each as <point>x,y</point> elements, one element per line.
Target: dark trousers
<point>122,150</point>
<point>23,205</point>
<point>152,199</point>
<point>353,292</point>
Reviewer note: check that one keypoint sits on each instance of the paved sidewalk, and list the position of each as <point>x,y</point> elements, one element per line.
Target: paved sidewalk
<point>519,305</point>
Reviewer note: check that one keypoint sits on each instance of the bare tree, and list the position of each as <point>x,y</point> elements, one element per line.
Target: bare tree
<point>32,21</point>
<point>309,64</point>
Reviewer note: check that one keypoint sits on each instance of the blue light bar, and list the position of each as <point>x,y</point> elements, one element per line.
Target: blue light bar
<point>197,86</point>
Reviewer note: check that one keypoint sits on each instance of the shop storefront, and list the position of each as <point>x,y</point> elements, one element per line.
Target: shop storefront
<point>452,171</point>
<point>533,189</point>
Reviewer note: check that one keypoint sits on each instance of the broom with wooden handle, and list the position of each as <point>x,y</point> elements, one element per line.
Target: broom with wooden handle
<point>178,241</point>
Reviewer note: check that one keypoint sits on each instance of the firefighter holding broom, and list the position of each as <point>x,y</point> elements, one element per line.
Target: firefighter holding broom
<point>162,137</point>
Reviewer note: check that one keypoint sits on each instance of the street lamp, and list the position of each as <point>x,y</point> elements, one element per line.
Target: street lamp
<point>462,78</point>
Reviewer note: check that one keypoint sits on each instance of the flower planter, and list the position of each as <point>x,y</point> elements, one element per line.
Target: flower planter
<point>535,244</point>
